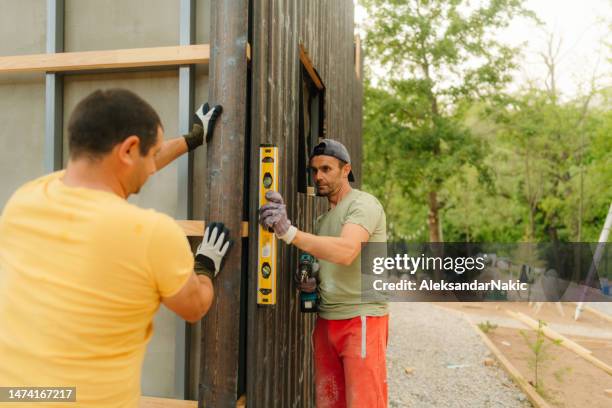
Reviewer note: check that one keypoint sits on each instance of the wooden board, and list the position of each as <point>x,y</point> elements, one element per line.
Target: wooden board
<point>195,228</point>
<point>548,332</point>
<point>220,366</point>
<point>565,342</point>
<point>597,313</point>
<point>192,228</point>
<point>518,378</point>
<point>279,347</point>
<point>312,72</point>
<point>152,402</point>
<point>110,59</point>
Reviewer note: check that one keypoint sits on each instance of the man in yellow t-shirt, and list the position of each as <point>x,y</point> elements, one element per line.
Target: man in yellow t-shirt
<point>82,271</point>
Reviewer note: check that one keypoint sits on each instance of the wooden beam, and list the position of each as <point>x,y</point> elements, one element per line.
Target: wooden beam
<point>548,332</point>
<point>596,312</point>
<point>565,342</point>
<point>195,228</point>
<point>312,72</point>
<point>151,402</point>
<point>518,378</point>
<point>220,365</point>
<point>192,228</point>
<point>244,233</point>
<point>111,59</point>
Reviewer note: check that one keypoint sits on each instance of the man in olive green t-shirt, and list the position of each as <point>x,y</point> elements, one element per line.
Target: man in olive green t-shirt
<point>350,337</point>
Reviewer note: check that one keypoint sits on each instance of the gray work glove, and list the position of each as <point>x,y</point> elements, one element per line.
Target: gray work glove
<point>203,125</point>
<point>273,215</point>
<point>304,283</point>
<point>308,285</point>
<point>212,249</point>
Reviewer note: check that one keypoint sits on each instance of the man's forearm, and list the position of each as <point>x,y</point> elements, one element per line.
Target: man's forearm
<point>207,292</point>
<point>170,150</point>
<point>332,249</point>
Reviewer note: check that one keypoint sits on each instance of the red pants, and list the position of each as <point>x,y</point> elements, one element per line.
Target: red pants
<point>350,363</point>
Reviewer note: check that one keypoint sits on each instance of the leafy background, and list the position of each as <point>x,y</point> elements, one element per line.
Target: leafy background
<point>455,153</point>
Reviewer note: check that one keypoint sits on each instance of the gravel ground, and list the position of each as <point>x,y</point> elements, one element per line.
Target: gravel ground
<point>447,358</point>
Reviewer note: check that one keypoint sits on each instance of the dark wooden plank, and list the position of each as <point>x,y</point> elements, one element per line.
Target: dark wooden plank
<point>279,355</point>
<point>256,349</point>
<point>225,153</point>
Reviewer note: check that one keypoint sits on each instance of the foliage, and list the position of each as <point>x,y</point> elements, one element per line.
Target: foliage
<point>487,326</point>
<point>439,57</point>
<point>540,356</point>
<point>446,146</point>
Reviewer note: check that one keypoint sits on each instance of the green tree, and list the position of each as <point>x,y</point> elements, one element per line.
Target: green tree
<point>438,56</point>
<point>561,163</point>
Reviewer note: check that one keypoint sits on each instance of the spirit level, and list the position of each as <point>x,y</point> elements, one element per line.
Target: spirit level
<point>266,249</point>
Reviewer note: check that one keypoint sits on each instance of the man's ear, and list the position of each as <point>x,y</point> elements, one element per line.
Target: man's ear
<point>346,170</point>
<point>129,149</point>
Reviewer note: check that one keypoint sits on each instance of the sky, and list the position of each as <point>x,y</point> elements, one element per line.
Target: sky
<point>580,24</point>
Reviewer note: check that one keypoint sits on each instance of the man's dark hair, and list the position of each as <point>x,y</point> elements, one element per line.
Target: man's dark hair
<point>106,118</point>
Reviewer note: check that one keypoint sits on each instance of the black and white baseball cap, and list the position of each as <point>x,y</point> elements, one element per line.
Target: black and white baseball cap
<point>331,147</point>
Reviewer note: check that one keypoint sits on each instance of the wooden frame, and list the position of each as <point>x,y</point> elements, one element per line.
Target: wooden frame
<point>565,342</point>
<point>220,364</point>
<point>311,99</point>
<point>195,228</point>
<point>191,228</point>
<point>596,312</point>
<point>154,402</point>
<point>110,59</point>
<point>312,72</point>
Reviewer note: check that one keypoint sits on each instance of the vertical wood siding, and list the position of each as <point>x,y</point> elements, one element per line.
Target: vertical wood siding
<point>279,364</point>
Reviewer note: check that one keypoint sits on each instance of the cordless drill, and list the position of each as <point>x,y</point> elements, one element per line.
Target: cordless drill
<point>309,301</point>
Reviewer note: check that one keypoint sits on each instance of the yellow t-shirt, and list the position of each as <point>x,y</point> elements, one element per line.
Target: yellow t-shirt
<point>82,273</point>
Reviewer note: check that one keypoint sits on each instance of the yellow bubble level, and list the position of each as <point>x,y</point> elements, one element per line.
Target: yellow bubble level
<point>266,248</point>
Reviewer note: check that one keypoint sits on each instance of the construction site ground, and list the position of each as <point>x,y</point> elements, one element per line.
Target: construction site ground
<point>435,359</point>
<point>568,379</point>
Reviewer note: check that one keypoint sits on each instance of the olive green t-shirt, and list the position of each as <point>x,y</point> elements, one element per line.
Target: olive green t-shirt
<point>339,285</point>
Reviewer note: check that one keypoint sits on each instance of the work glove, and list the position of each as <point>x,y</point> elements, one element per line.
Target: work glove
<point>308,285</point>
<point>203,125</point>
<point>212,249</point>
<point>305,283</point>
<point>273,215</point>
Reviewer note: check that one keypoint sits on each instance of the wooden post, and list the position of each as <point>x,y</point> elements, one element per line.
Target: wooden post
<point>224,199</point>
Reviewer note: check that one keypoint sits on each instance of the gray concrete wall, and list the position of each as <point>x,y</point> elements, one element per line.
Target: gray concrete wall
<point>22,131</point>
<point>199,163</point>
<point>22,97</point>
<point>202,21</point>
<point>27,37</point>
<point>111,24</point>
<point>160,89</point>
